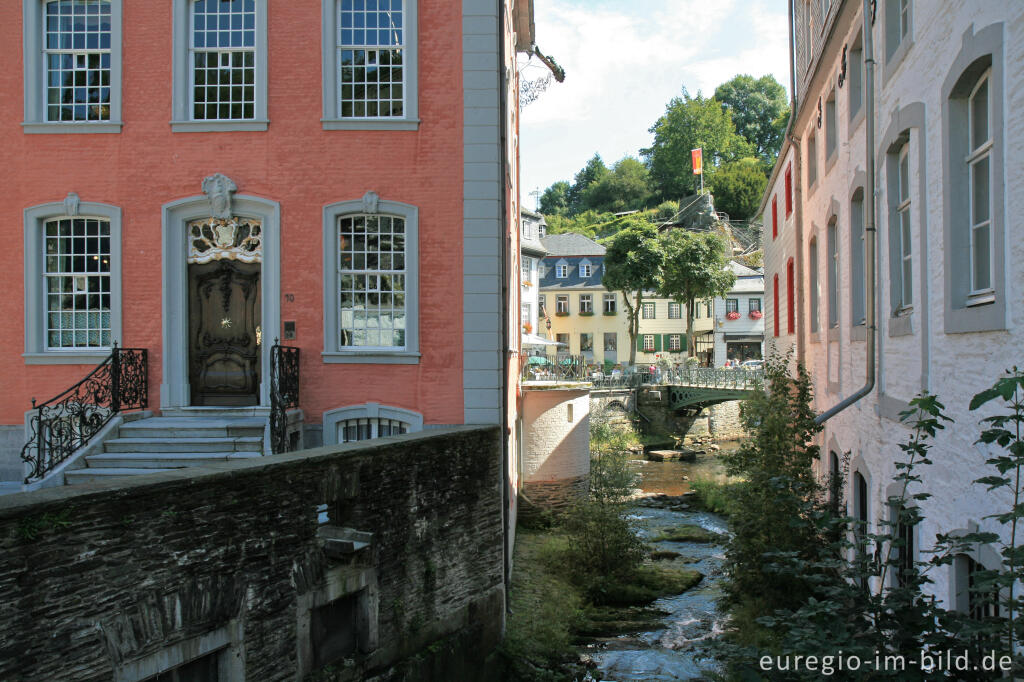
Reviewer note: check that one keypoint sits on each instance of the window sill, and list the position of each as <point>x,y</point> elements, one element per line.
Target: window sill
<point>855,121</point>
<point>217,126</point>
<point>816,337</point>
<point>583,314</point>
<point>78,357</point>
<point>370,357</point>
<point>71,127</point>
<point>858,332</point>
<point>612,314</point>
<point>981,298</point>
<point>833,334</point>
<point>830,159</point>
<point>893,61</point>
<point>561,314</point>
<point>900,324</point>
<point>369,124</point>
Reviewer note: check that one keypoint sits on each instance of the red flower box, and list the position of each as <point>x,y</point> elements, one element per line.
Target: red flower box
<point>732,316</point>
<point>756,315</point>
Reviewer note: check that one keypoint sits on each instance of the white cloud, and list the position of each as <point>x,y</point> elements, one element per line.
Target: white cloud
<point>624,62</point>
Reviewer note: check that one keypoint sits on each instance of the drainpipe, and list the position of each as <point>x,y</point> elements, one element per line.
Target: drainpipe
<point>506,250</point>
<point>798,208</point>
<point>869,222</point>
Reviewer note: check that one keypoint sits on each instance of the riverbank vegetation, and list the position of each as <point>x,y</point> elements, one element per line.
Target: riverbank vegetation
<point>588,573</point>
<point>805,578</point>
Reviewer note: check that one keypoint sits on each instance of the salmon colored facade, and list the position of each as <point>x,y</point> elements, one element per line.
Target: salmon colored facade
<point>295,167</point>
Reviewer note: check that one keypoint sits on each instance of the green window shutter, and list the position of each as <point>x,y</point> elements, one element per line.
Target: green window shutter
<point>640,342</point>
<point>682,343</point>
<point>657,343</point>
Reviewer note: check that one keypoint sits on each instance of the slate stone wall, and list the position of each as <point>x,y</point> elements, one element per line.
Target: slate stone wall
<point>96,578</point>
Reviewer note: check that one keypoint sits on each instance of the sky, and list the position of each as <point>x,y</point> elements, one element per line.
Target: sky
<point>624,61</point>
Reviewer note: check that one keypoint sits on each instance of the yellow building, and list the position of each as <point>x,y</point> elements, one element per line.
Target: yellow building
<point>592,321</point>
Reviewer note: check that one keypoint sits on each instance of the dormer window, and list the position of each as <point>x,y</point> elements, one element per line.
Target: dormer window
<point>586,270</point>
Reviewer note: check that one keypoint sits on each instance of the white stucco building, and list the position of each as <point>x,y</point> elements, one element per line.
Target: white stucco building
<point>739,318</point>
<point>531,252</point>
<point>948,142</point>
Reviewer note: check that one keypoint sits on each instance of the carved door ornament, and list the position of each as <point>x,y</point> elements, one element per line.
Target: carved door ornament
<point>234,238</point>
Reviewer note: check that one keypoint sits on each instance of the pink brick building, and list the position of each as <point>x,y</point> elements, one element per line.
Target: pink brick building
<point>200,177</point>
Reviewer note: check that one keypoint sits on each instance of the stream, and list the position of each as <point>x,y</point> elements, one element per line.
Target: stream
<point>668,653</point>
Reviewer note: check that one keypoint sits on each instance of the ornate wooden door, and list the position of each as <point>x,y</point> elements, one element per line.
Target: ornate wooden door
<point>224,333</point>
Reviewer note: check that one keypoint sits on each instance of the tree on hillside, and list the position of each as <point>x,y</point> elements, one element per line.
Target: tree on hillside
<point>587,176</point>
<point>694,269</point>
<point>759,112</point>
<point>555,199</point>
<point>626,188</point>
<point>689,123</point>
<point>632,265</point>
<point>737,187</point>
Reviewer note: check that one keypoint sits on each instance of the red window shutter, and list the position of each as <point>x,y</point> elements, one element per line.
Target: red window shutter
<point>789,190</point>
<point>790,298</point>
<point>775,303</point>
<point>775,216</point>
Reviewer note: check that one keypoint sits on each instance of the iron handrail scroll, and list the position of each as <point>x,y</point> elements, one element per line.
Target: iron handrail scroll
<point>284,393</point>
<point>64,423</point>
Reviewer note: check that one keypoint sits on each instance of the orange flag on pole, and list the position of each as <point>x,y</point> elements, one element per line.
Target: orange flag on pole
<point>697,157</point>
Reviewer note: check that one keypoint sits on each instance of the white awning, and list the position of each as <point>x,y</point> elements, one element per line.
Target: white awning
<point>534,340</point>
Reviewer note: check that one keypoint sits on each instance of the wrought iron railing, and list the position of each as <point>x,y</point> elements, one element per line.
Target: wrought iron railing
<point>554,367</point>
<point>284,394</point>
<point>698,377</point>
<point>66,422</point>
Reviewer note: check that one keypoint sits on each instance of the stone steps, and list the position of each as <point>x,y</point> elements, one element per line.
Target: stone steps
<point>147,446</point>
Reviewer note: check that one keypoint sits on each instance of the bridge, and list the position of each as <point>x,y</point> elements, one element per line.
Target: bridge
<point>689,387</point>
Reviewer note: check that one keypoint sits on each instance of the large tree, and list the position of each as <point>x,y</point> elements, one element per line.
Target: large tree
<point>695,268</point>
<point>632,266</point>
<point>555,199</point>
<point>759,111</point>
<point>689,123</point>
<point>626,188</point>
<point>587,176</point>
<point>738,186</point>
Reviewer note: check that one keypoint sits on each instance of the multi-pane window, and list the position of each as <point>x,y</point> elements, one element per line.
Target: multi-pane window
<point>525,313</point>
<point>561,271</point>
<point>562,304</point>
<point>707,309</point>
<point>586,303</point>
<point>542,303</point>
<point>350,430</point>
<point>675,311</point>
<point>833,276</point>
<point>585,270</point>
<point>586,342</point>
<point>897,24</point>
<point>223,59</point>
<point>647,311</point>
<point>648,342</point>
<point>979,165</point>
<point>675,342</point>
<point>527,269</point>
<point>812,266</point>
<point>904,286</point>
<point>610,341</point>
<point>754,304</point>
<point>564,340</point>
<point>831,131</point>
<point>609,304</point>
<point>370,52</point>
<point>77,54</point>
<point>732,305</point>
<point>857,276</point>
<point>371,281</point>
<point>77,272</point>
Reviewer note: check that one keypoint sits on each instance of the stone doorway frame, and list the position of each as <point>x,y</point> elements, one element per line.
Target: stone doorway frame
<point>174,385</point>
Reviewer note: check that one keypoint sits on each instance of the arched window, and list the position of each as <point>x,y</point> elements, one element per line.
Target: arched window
<point>368,421</point>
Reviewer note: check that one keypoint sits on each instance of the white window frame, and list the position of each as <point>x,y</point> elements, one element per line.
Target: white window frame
<point>561,271</point>
<point>675,343</point>
<point>586,270</point>
<point>35,218</point>
<point>526,313</point>
<point>753,304</point>
<point>35,74</point>
<point>610,304</point>
<point>586,303</point>
<point>527,269</point>
<point>978,153</point>
<point>331,118</point>
<point>333,352</point>
<point>678,308</point>
<point>335,419</point>
<point>562,304</point>
<point>648,342</point>
<point>648,306</point>
<point>732,305</point>
<point>905,286</point>
<point>182,75</point>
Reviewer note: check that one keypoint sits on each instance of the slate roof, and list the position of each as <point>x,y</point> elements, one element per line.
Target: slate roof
<point>571,244</point>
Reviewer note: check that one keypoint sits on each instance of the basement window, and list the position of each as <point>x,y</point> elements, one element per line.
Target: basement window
<point>332,630</point>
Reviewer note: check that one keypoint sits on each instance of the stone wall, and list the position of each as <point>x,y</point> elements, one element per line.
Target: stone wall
<point>12,438</point>
<point>122,580</point>
<point>720,421</point>
<point>724,421</point>
<point>556,435</point>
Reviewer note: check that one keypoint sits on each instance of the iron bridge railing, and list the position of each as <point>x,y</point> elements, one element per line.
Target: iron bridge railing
<point>284,394</point>
<point>554,367</point>
<point>66,422</point>
<point>696,377</point>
